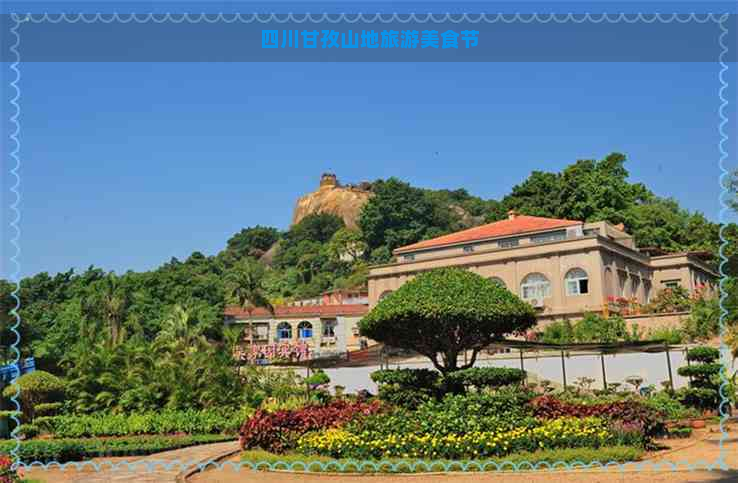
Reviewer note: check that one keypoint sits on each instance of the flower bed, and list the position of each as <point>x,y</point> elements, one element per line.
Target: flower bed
<point>279,430</point>
<point>629,413</point>
<point>559,433</point>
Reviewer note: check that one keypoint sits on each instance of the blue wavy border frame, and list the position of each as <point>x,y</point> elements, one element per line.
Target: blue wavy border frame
<point>478,465</point>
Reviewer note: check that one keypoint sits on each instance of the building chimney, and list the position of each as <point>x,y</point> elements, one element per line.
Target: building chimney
<point>512,214</point>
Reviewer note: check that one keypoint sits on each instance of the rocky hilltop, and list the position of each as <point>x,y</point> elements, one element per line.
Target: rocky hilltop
<point>331,197</point>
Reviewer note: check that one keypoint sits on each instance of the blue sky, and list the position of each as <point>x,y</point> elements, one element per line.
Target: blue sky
<point>127,165</point>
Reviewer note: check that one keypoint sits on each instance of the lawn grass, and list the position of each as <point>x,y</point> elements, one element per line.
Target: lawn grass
<point>264,460</point>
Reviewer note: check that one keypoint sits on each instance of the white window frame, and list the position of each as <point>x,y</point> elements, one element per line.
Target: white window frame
<point>535,289</point>
<point>573,283</point>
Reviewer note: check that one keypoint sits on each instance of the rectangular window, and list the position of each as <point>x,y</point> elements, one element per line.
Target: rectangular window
<point>672,283</point>
<point>469,249</point>
<point>329,328</point>
<point>577,287</point>
<point>548,237</point>
<point>509,243</point>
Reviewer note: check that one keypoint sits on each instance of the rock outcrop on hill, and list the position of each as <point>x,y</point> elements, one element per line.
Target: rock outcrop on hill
<point>331,197</point>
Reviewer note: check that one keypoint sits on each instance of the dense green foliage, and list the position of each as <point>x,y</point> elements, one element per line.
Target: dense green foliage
<point>34,388</point>
<point>591,328</point>
<point>481,378</point>
<point>704,379</point>
<point>63,450</point>
<point>207,421</point>
<point>259,459</point>
<point>445,311</point>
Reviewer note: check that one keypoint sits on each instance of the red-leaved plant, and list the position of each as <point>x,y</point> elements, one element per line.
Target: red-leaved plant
<point>278,431</point>
<point>7,473</point>
<point>630,413</point>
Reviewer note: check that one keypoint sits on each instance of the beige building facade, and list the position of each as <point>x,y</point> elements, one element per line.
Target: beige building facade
<point>564,268</point>
<point>306,331</point>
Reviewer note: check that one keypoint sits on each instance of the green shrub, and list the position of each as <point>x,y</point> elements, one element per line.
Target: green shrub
<point>407,387</point>
<point>670,335</point>
<point>669,406</point>
<point>35,388</point>
<point>503,410</point>
<point>26,431</point>
<point>63,450</point>
<point>164,422</point>
<point>313,463</point>
<point>704,373</point>
<point>703,354</point>
<point>486,377</point>
<point>704,398</point>
<point>47,409</point>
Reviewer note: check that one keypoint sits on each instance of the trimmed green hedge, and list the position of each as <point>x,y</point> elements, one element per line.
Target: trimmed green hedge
<point>319,464</point>
<point>164,422</point>
<point>63,450</point>
<point>482,377</point>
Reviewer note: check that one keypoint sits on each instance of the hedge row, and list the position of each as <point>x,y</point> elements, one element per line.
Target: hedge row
<point>164,422</point>
<point>63,450</point>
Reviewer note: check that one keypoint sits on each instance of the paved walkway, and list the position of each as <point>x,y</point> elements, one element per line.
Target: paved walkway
<point>160,467</point>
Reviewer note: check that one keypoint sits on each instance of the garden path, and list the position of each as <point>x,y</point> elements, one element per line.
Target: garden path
<point>160,467</point>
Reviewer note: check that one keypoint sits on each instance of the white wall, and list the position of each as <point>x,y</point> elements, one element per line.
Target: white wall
<point>651,367</point>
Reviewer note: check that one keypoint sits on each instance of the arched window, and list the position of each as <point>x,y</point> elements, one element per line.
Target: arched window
<point>384,294</point>
<point>577,282</point>
<point>284,331</point>
<point>498,281</point>
<point>535,286</point>
<point>305,330</point>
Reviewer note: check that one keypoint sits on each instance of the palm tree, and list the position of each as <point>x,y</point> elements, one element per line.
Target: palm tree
<point>245,285</point>
<point>108,302</point>
<point>181,333</point>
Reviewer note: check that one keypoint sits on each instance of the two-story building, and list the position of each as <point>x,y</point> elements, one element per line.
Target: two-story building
<point>564,268</point>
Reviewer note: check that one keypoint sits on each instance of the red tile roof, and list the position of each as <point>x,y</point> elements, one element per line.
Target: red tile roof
<point>306,311</point>
<point>515,226</point>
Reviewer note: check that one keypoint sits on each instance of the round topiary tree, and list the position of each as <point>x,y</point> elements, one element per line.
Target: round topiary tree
<point>36,388</point>
<point>443,312</point>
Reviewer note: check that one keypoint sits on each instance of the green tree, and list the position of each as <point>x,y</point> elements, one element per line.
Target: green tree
<point>252,241</point>
<point>108,303</point>
<point>396,215</point>
<point>245,285</point>
<point>347,244</point>
<point>444,312</point>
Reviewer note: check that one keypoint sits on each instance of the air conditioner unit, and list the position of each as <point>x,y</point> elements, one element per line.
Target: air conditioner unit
<point>355,331</point>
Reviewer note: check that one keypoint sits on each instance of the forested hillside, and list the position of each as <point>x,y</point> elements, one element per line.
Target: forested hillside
<point>65,314</point>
